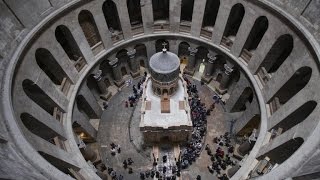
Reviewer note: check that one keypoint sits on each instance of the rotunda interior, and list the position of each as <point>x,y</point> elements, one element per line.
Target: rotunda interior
<point>159,89</point>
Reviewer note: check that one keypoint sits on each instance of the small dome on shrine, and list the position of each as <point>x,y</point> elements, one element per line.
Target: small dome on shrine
<point>164,62</point>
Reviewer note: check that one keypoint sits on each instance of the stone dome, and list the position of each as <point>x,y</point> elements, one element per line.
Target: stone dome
<point>164,62</point>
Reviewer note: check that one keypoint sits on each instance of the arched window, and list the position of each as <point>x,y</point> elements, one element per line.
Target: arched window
<point>111,15</point>
<point>66,40</point>
<point>160,10</point>
<point>93,86</point>
<point>259,28</point>
<point>141,50</point>
<point>284,151</point>
<point>202,54</point>
<point>85,107</point>
<point>134,10</point>
<point>123,56</point>
<point>90,29</point>
<point>39,128</point>
<point>278,53</point>
<point>210,14</point>
<point>186,10</point>
<point>233,24</point>
<point>297,82</point>
<point>297,116</point>
<point>246,96</point>
<point>160,44</point>
<point>36,94</point>
<point>49,65</point>
<point>183,49</point>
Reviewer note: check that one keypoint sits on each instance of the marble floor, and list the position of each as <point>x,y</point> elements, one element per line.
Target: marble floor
<point>120,125</point>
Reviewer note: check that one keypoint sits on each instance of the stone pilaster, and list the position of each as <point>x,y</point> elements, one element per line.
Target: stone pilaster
<point>207,77</point>
<point>134,65</point>
<point>191,61</point>
<point>102,86</point>
<point>225,80</point>
<point>116,72</point>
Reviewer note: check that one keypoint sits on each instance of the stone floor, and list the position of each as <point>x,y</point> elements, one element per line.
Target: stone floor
<point>121,125</point>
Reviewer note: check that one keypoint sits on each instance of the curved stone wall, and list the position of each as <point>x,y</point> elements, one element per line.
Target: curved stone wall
<point>40,104</point>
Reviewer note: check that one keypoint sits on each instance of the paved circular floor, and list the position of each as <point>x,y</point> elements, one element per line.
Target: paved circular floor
<point>121,125</point>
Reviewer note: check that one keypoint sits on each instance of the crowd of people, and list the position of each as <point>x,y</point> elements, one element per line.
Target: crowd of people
<point>220,159</point>
<point>199,121</point>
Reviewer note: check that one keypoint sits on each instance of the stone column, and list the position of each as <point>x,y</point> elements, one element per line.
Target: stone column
<point>207,77</point>
<point>245,147</point>
<point>134,65</point>
<point>233,170</point>
<point>116,71</point>
<point>225,80</point>
<point>102,86</point>
<point>87,153</point>
<point>191,61</point>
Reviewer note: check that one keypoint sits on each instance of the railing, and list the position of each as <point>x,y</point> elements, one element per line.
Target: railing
<point>185,26</point>
<point>58,142</point>
<point>65,86</point>
<point>97,48</point>
<point>57,114</point>
<point>246,55</point>
<point>137,29</point>
<point>161,25</point>
<point>274,105</point>
<point>226,42</point>
<point>117,36</point>
<point>80,63</point>
<point>263,75</point>
<point>206,33</point>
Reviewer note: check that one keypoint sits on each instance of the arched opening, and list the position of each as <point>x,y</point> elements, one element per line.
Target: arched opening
<point>49,65</point>
<point>36,94</point>
<point>134,10</point>
<point>69,45</point>
<point>124,71</point>
<point>245,98</point>
<point>186,15</point>
<point>278,53</point>
<point>253,123</point>
<point>219,77</point>
<point>141,50</point>
<point>233,25</point>
<point>296,117</point>
<point>60,164</point>
<point>297,82</point>
<point>142,63</point>
<point>93,86</point>
<point>209,17</point>
<point>202,55</point>
<point>111,15</point>
<point>40,129</point>
<point>183,50</point>
<point>160,44</point>
<point>85,107</point>
<point>107,82</point>
<point>281,153</point>
<point>90,31</point>
<point>258,30</point>
<point>160,10</point>
<point>82,133</point>
<point>105,67</point>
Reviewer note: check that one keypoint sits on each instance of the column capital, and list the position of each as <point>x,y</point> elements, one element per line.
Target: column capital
<point>98,75</point>
<point>131,53</point>
<point>211,58</point>
<point>192,51</point>
<point>228,70</point>
<point>114,62</point>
